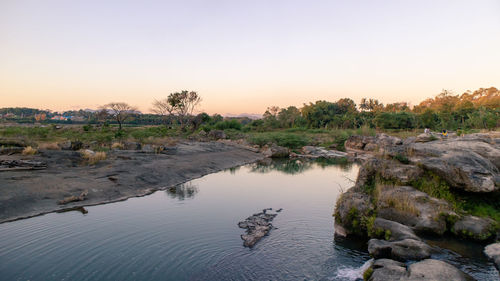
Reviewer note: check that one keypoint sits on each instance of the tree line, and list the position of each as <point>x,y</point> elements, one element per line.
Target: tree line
<point>479,109</point>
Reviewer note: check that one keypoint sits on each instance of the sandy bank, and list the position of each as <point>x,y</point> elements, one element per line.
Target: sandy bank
<point>123,175</point>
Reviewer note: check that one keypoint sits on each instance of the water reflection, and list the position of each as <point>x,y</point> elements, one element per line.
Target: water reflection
<point>297,166</point>
<point>183,191</point>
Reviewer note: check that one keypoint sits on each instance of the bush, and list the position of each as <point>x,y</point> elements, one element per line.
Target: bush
<point>282,139</point>
<point>29,151</point>
<point>93,157</point>
<point>228,124</point>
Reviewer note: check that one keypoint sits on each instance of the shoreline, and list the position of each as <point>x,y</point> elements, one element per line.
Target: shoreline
<point>126,174</point>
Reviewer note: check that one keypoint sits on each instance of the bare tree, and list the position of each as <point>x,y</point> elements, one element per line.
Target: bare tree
<point>183,104</point>
<point>163,108</point>
<point>120,111</point>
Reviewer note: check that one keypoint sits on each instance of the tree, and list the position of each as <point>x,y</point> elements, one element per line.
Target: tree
<point>120,111</point>
<point>164,109</point>
<point>370,105</point>
<point>184,103</point>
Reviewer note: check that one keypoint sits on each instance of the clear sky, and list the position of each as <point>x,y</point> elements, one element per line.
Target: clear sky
<point>243,56</point>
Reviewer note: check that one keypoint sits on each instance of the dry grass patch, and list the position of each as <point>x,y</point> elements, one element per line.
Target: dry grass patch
<point>117,145</point>
<point>398,200</point>
<point>93,157</point>
<point>29,151</point>
<point>48,146</point>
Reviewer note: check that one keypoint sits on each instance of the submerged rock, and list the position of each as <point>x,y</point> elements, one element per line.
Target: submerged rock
<point>257,226</point>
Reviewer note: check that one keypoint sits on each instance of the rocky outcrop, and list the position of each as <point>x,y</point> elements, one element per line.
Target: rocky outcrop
<point>71,145</point>
<point>372,144</point>
<point>399,173</point>
<point>492,251</point>
<point>257,226</point>
<point>416,209</point>
<point>474,228</point>
<point>470,164</point>
<point>351,212</point>
<point>132,145</point>
<point>429,269</point>
<point>275,151</point>
<point>402,250</point>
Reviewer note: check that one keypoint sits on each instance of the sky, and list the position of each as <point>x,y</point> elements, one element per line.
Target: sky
<point>243,56</point>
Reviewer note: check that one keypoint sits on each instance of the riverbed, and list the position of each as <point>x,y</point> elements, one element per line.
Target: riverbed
<point>190,232</point>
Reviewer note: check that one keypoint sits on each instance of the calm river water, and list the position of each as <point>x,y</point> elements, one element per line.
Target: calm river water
<point>191,233</point>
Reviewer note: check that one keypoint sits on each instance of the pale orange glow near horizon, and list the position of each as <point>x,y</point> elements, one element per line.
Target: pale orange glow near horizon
<point>240,56</point>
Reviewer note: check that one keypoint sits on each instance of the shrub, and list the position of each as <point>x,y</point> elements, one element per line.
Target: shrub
<point>282,139</point>
<point>228,124</point>
<point>29,150</point>
<point>117,145</point>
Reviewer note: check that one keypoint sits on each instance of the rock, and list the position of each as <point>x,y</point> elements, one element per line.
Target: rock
<point>413,208</point>
<point>426,137</point>
<point>132,145</point>
<point>397,231</point>
<point>314,152</point>
<point>74,198</point>
<point>9,165</point>
<point>468,164</point>
<point>10,150</point>
<point>402,250</point>
<point>217,134</point>
<point>474,227</point>
<point>351,211</point>
<point>399,173</point>
<point>431,269</point>
<point>386,140</point>
<point>358,142</point>
<point>387,270</point>
<point>492,251</point>
<point>257,226</point>
<point>275,151</point>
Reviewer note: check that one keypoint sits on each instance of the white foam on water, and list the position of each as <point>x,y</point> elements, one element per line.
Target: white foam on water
<point>351,273</point>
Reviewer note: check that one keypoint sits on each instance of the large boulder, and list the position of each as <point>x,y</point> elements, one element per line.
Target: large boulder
<point>387,270</point>
<point>429,269</point>
<point>492,251</point>
<point>416,209</point>
<point>391,230</point>
<point>71,145</point>
<point>402,250</point>
<point>470,164</point>
<point>276,151</point>
<point>475,228</point>
<point>351,212</point>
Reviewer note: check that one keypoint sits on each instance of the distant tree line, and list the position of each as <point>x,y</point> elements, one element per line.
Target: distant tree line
<point>479,110</point>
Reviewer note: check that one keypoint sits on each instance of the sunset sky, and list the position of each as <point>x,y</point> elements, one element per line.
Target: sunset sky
<point>243,56</point>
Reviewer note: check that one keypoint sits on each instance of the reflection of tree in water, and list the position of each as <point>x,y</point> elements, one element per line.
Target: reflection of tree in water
<point>233,170</point>
<point>296,166</point>
<point>183,191</point>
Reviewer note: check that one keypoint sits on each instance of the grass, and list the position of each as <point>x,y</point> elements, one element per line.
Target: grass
<point>29,151</point>
<point>93,157</point>
<point>401,202</point>
<point>433,185</point>
<point>48,146</point>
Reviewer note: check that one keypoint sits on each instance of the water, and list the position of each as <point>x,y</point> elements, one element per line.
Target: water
<point>190,232</point>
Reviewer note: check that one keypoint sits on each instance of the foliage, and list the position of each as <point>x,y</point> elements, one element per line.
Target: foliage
<point>290,140</point>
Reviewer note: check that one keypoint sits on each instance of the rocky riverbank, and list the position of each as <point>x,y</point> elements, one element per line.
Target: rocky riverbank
<point>425,185</point>
<point>132,170</point>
